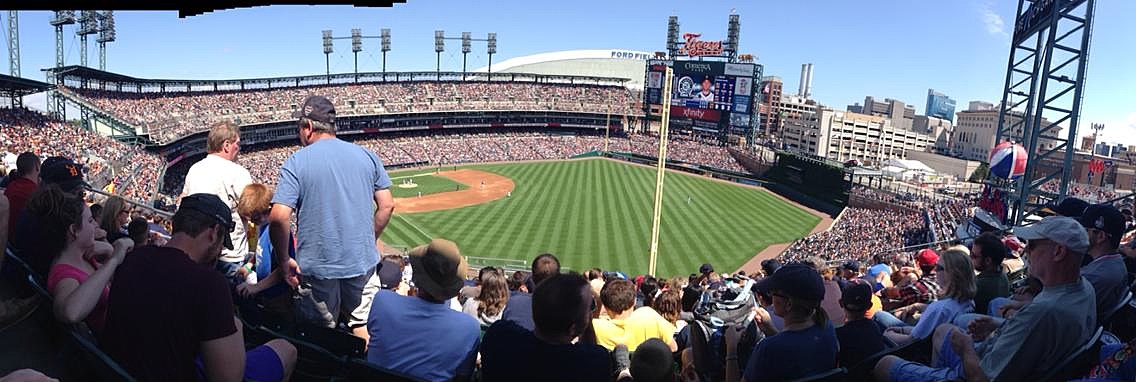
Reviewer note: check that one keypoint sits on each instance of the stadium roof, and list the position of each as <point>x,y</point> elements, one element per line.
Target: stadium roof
<point>614,54</point>
<point>20,85</point>
<point>85,72</point>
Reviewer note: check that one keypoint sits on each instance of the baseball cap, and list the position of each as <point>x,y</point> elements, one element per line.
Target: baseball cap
<point>1071,207</point>
<point>851,265</point>
<point>652,361</point>
<point>706,268</point>
<point>316,108</point>
<point>1106,218</point>
<point>796,280</point>
<point>211,206</point>
<point>390,274</point>
<point>1063,230</point>
<point>927,257</point>
<point>438,268</point>
<point>63,172</point>
<point>857,296</point>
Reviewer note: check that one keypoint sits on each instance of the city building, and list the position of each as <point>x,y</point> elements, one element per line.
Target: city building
<point>960,169</point>
<point>768,109</point>
<point>901,114</point>
<point>856,108</point>
<point>939,129</point>
<point>977,127</point>
<point>940,106</point>
<point>1114,150</point>
<point>844,136</point>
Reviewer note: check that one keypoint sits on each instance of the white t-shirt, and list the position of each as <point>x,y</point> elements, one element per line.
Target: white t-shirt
<point>226,179</point>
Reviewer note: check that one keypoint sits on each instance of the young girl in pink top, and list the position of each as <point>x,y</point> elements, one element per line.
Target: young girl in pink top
<point>79,284</point>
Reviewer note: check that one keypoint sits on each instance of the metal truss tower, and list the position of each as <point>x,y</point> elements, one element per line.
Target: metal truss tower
<point>14,43</point>
<point>1045,78</point>
<point>56,104</point>
<point>88,25</point>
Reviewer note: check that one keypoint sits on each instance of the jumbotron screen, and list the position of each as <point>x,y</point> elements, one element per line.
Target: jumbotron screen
<point>708,96</point>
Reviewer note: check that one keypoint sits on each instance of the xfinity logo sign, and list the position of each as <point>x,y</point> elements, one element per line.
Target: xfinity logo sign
<point>630,55</point>
<point>693,113</point>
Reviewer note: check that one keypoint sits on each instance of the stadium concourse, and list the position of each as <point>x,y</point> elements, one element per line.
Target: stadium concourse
<point>820,308</point>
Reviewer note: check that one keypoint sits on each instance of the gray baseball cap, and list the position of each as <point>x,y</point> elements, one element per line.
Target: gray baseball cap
<point>1065,231</point>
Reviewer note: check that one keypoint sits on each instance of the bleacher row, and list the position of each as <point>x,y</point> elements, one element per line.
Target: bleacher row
<point>168,116</point>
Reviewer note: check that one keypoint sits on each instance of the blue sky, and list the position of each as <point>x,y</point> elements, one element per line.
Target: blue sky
<point>884,48</point>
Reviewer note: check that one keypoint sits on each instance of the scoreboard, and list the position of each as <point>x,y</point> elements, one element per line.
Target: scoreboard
<point>707,96</point>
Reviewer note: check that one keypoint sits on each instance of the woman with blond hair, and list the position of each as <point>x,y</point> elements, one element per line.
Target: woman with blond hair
<point>115,216</point>
<point>956,278</point>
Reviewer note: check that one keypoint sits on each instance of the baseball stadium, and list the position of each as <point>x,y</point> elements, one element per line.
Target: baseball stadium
<point>652,216</point>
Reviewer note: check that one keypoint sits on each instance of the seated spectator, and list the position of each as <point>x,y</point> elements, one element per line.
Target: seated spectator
<point>1027,345</point>
<point>491,298</point>
<point>519,307</point>
<point>669,306</point>
<point>421,336</point>
<point>987,254</point>
<point>22,183</point>
<point>197,336</point>
<point>653,362</point>
<point>139,231</point>
<point>808,344</point>
<point>516,284</point>
<point>79,285</point>
<point>1105,270</point>
<point>831,302</point>
<point>116,214</point>
<point>956,276</point>
<point>859,337</point>
<point>912,296</point>
<point>390,275</point>
<point>625,325</point>
<point>1116,363</point>
<point>559,349</point>
<point>768,266</point>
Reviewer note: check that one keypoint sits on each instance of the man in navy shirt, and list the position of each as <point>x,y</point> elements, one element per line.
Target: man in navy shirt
<point>519,308</point>
<point>860,337</point>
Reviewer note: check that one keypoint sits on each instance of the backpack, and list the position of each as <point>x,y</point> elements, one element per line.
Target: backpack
<point>715,312</point>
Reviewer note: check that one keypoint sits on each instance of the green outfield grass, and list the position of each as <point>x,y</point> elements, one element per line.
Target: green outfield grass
<point>427,184</point>
<point>597,213</point>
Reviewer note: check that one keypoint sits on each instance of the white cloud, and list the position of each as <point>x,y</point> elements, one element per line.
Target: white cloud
<point>995,26</point>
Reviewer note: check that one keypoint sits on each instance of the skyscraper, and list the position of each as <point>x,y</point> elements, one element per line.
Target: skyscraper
<point>940,106</point>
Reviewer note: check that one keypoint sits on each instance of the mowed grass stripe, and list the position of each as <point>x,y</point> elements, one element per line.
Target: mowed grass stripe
<point>605,222</point>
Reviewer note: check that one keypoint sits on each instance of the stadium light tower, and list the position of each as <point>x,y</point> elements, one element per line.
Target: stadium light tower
<point>439,47</point>
<point>88,25</point>
<point>56,104</point>
<point>106,34</point>
<point>466,48</point>
<point>327,52</point>
<point>14,43</point>
<point>356,47</point>
<point>385,37</point>
<point>491,47</point>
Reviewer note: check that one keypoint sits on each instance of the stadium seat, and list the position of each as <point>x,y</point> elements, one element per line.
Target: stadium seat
<point>1108,314</point>
<point>837,374</point>
<point>361,370</point>
<point>1077,363</point>
<point>862,371</point>
<point>335,341</point>
<point>313,362</point>
<point>99,365</point>
<point>39,288</point>
<point>918,351</point>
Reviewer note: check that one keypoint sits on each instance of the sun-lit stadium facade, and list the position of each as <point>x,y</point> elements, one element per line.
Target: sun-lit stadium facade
<point>615,63</point>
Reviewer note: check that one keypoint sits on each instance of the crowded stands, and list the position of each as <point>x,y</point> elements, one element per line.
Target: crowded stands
<point>169,116</point>
<point>316,300</point>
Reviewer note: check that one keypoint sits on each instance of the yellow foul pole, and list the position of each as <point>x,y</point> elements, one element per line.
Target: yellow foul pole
<point>607,126</point>
<point>662,165</point>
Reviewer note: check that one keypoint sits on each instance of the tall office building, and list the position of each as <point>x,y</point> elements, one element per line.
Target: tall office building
<point>901,114</point>
<point>940,106</point>
<point>977,127</point>
<point>843,136</point>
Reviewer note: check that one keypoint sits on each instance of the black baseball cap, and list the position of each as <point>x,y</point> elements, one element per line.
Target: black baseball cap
<point>316,108</point>
<point>1106,218</point>
<point>857,296</point>
<point>390,274</point>
<point>1070,207</point>
<point>706,268</point>
<point>211,206</point>
<point>63,172</point>
<point>851,265</point>
<point>796,280</point>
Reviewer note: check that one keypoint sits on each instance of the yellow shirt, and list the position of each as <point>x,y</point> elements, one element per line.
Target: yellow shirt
<point>643,324</point>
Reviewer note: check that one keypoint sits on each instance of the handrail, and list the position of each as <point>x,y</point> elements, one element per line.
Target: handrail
<point>132,202</point>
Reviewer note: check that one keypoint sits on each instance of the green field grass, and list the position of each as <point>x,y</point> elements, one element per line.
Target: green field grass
<point>597,213</point>
<point>427,184</point>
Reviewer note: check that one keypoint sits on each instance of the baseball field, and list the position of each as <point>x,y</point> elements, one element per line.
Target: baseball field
<point>594,213</point>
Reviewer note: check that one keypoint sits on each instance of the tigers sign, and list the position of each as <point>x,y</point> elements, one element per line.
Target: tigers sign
<point>695,47</point>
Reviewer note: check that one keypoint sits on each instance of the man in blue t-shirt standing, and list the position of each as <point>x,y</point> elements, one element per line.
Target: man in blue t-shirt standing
<point>329,184</point>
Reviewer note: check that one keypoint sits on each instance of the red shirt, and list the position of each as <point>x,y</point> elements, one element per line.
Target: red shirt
<point>19,190</point>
